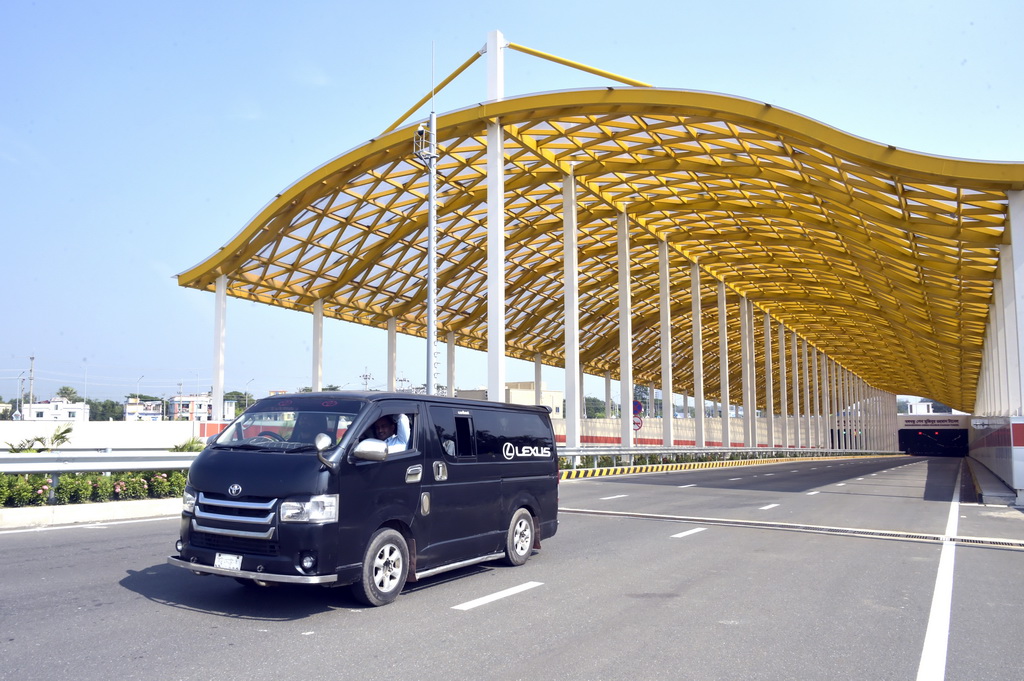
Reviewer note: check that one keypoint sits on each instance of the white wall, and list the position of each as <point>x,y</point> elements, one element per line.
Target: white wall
<point>104,434</point>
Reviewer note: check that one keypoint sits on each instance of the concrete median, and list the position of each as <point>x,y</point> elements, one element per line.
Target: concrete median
<point>29,517</point>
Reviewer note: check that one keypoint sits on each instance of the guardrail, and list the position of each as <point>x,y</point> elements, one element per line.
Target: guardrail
<point>94,461</point>
<point>619,455</point>
<point>104,460</point>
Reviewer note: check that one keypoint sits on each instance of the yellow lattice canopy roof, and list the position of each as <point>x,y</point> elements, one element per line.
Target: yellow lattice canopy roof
<point>884,259</point>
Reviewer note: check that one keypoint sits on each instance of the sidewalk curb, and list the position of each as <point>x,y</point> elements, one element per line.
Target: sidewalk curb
<point>76,514</point>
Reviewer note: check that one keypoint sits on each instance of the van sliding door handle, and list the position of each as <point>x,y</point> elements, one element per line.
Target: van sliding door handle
<point>440,471</point>
<point>414,473</point>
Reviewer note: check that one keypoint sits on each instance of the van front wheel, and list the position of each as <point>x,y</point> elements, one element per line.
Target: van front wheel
<point>385,568</point>
<point>519,541</point>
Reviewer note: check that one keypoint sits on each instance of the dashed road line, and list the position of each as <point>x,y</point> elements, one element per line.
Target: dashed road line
<point>688,532</point>
<point>469,605</point>
<point>769,506</point>
<point>617,496</point>
<point>813,493</point>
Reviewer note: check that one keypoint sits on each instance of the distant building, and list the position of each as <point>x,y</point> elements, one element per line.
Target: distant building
<point>919,408</point>
<point>143,410</point>
<point>196,408</point>
<point>57,409</point>
<point>522,393</point>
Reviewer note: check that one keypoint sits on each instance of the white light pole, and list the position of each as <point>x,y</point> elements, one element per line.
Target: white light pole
<point>138,398</point>
<point>425,149</point>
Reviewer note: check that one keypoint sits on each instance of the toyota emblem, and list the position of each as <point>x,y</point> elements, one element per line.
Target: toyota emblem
<point>235,490</point>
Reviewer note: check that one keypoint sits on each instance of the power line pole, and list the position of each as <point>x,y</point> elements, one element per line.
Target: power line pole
<point>32,380</point>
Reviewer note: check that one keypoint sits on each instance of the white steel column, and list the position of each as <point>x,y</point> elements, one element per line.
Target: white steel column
<point>495,223</point>
<point>607,394</point>
<point>667,435</point>
<point>769,381</point>
<point>837,407</point>
<point>537,374</point>
<point>318,346</point>
<point>698,356</point>
<point>816,368</point>
<point>751,414</point>
<point>848,421</point>
<point>826,403</point>
<point>806,380</point>
<point>220,313</point>
<point>625,333</point>
<point>571,311</point>
<point>748,440</point>
<point>450,342</point>
<point>393,353</point>
<point>1013,289</point>
<point>783,388</point>
<point>796,388</point>
<point>723,362</point>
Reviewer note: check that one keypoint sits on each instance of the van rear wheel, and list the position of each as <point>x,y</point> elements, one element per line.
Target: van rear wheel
<point>519,541</point>
<point>385,568</point>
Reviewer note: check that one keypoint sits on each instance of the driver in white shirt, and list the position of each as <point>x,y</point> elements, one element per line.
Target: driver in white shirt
<point>394,430</point>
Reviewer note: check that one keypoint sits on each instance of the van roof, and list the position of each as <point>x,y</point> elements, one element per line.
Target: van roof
<point>376,396</point>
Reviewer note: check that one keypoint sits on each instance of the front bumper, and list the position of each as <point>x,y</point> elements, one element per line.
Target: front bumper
<point>250,574</point>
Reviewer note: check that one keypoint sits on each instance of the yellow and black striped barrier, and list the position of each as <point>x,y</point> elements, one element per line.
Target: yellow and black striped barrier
<point>574,473</point>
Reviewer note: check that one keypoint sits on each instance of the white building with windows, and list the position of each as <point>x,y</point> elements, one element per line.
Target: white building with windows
<point>57,409</point>
<point>196,408</point>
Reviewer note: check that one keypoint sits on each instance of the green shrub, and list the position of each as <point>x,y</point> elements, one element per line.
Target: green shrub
<point>193,444</point>
<point>129,486</point>
<point>176,484</point>
<point>28,491</point>
<point>102,487</point>
<point>5,487</point>
<point>159,485</point>
<point>73,488</point>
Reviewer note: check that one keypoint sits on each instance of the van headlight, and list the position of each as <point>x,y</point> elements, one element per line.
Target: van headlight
<point>188,501</point>
<point>319,509</point>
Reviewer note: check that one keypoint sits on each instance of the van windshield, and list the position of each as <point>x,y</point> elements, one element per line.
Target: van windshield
<point>289,424</point>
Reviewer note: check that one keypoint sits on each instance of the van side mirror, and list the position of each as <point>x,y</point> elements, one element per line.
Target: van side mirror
<point>322,441</point>
<point>371,450</point>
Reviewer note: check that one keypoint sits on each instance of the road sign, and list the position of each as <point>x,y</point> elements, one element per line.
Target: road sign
<point>638,406</point>
<point>637,422</point>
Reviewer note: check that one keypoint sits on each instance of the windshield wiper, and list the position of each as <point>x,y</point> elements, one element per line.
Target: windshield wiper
<point>242,445</point>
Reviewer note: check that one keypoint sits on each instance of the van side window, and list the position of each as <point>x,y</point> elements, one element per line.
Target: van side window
<point>495,429</point>
<point>395,429</point>
<point>454,432</point>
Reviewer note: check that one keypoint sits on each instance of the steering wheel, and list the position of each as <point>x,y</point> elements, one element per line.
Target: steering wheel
<point>270,435</point>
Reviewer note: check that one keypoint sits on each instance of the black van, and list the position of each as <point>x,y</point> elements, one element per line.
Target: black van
<point>369,489</point>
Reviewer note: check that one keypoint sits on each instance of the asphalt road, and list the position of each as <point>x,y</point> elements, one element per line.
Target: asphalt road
<point>631,587</point>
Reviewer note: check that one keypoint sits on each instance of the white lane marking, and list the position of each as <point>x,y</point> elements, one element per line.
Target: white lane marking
<point>688,532</point>
<point>860,478</point>
<point>765,508</point>
<point>731,479</point>
<point>89,526</point>
<point>617,496</point>
<point>769,474</point>
<point>812,493</point>
<point>936,638</point>
<point>469,605</point>
<point>692,484</point>
<point>840,484</point>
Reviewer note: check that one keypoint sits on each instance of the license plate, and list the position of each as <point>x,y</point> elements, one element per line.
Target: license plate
<point>228,561</point>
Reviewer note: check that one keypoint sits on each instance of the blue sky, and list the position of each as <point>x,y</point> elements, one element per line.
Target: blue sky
<point>136,138</point>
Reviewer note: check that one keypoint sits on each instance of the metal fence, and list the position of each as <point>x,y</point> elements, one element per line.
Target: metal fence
<point>602,457</point>
<point>95,461</point>
<point>109,460</point>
